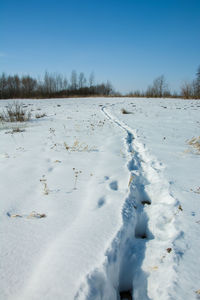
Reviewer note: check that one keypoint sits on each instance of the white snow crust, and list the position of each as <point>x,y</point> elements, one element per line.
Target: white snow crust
<point>95,201</point>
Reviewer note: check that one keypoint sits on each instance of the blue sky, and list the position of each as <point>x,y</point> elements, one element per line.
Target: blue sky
<point>129,42</point>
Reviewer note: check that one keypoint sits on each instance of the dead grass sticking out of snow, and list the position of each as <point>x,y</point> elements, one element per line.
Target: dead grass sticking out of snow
<point>78,147</point>
<point>32,215</point>
<point>38,116</point>
<point>195,143</point>
<point>15,112</point>
<point>125,112</point>
<point>15,130</point>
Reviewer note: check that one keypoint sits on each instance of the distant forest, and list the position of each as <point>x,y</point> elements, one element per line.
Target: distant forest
<point>54,85</point>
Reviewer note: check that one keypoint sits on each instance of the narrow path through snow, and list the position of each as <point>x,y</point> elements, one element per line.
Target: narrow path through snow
<point>132,238</point>
<point>123,272</point>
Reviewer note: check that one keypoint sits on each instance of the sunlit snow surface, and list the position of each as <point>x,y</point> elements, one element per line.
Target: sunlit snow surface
<point>119,196</point>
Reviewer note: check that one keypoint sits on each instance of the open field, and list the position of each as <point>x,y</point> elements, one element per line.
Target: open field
<point>99,197</point>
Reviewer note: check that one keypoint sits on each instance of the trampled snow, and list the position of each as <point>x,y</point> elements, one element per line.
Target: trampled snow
<point>96,202</point>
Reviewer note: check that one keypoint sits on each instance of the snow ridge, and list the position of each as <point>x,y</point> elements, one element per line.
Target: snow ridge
<point>124,270</point>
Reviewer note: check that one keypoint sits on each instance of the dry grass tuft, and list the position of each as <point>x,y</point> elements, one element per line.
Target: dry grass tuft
<point>78,147</point>
<point>15,130</point>
<point>197,292</point>
<point>125,112</point>
<point>169,250</point>
<point>57,161</point>
<point>195,143</point>
<point>45,187</point>
<point>180,208</point>
<point>76,174</point>
<point>15,112</point>
<point>130,180</point>
<point>33,214</point>
<point>15,216</point>
<point>38,116</point>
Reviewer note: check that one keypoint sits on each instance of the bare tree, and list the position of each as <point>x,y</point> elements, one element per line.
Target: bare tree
<point>197,84</point>
<point>74,80</point>
<point>159,88</point>
<point>81,80</point>
<point>109,88</point>
<point>91,79</point>
<point>58,82</point>
<point>187,90</point>
<point>49,83</point>
<point>198,74</point>
<point>13,85</point>
<point>65,83</point>
<point>28,85</point>
<point>3,85</point>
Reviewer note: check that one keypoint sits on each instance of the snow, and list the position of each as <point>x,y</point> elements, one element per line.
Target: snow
<point>95,202</point>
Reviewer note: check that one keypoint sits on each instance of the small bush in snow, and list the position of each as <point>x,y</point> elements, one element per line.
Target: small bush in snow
<point>195,143</point>
<point>125,112</point>
<point>38,116</point>
<point>15,112</point>
<point>15,130</point>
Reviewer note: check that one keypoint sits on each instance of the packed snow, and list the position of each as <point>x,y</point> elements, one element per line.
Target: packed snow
<point>100,199</point>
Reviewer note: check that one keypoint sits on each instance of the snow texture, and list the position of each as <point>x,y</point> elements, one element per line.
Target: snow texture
<point>97,204</point>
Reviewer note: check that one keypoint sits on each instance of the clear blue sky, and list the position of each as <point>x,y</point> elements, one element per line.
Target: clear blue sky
<point>129,42</point>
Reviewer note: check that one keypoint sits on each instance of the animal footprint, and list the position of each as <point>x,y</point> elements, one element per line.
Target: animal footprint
<point>101,202</point>
<point>114,185</point>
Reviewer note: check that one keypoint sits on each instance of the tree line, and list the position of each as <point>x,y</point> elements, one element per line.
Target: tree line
<point>54,85</point>
<point>191,90</point>
<point>160,89</point>
<point>51,85</point>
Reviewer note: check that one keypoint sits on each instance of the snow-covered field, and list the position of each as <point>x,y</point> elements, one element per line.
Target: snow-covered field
<point>96,202</point>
